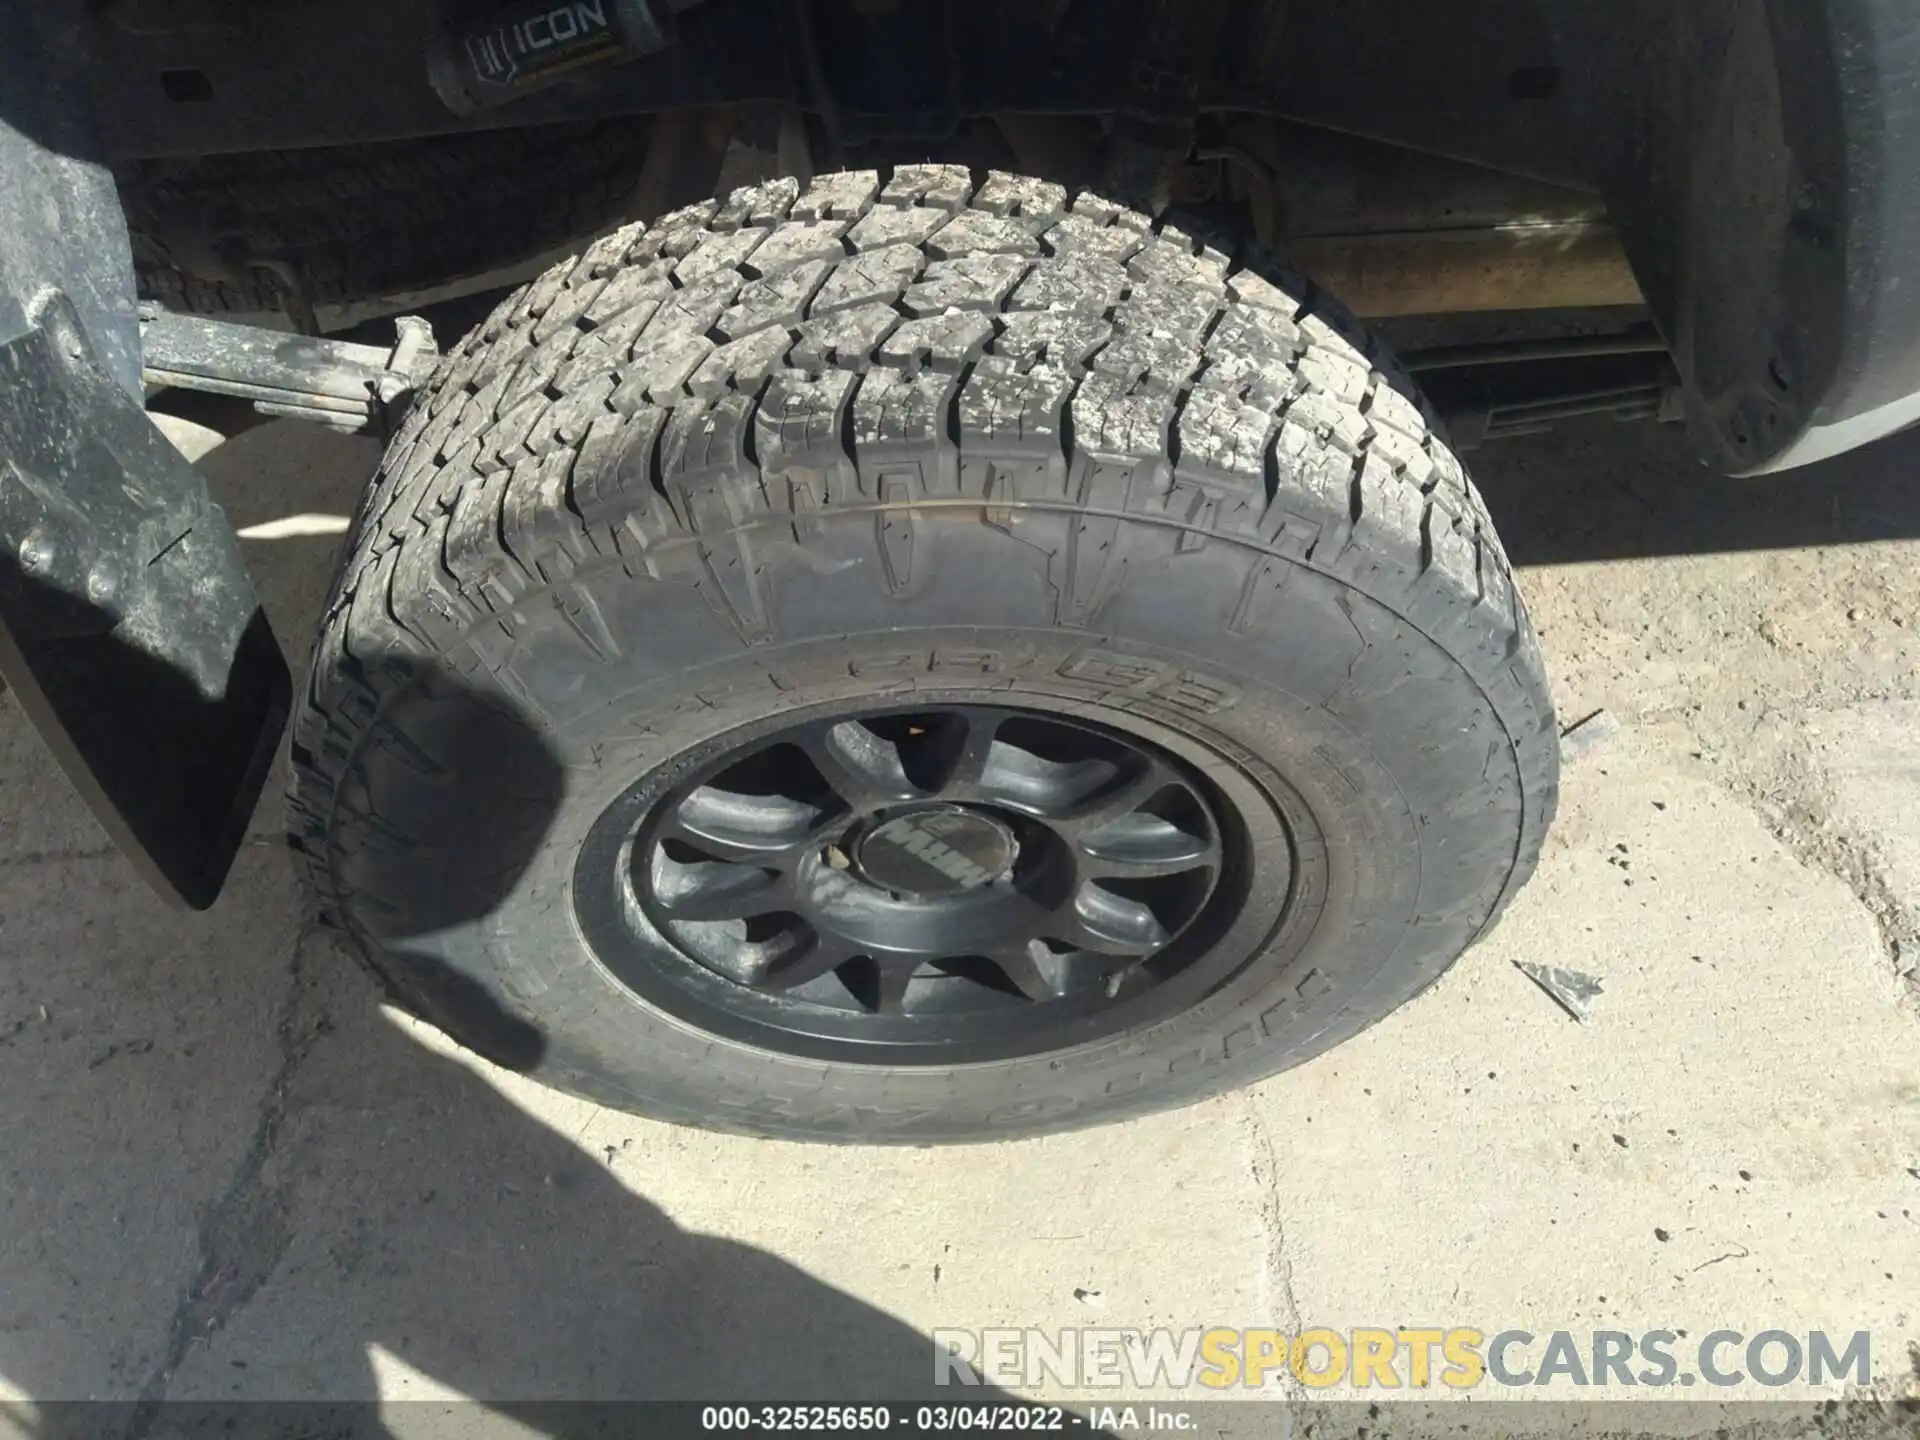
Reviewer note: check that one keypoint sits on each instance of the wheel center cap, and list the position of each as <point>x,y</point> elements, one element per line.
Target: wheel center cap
<point>936,852</point>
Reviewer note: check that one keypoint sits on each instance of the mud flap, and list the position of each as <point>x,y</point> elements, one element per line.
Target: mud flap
<point>130,634</point>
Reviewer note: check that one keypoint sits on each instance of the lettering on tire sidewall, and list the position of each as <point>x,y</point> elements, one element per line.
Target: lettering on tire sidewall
<point>1108,671</point>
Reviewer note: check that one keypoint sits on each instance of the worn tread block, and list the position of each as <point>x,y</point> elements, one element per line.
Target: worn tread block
<point>889,226</point>
<point>1180,314</point>
<point>896,410</point>
<point>1112,417</point>
<point>972,233</point>
<point>1324,417</point>
<point>938,342</point>
<point>1082,280</point>
<point>972,282</point>
<point>847,339</point>
<point>933,187</point>
<point>1063,338</point>
<point>799,420</point>
<point>1102,211</point>
<point>1407,457</point>
<point>568,310</point>
<point>1166,261</point>
<point>798,241</point>
<point>642,287</point>
<point>1037,203</point>
<point>760,204</point>
<point>660,369</point>
<point>604,351</point>
<point>533,515</point>
<point>776,300</point>
<point>607,255</point>
<point>1076,235</point>
<point>844,195</point>
<point>1346,380</point>
<point>612,475</point>
<point>694,310</point>
<point>1220,434</point>
<point>743,364</point>
<point>566,421</point>
<point>881,274</point>
<point>719,255</point>
<point>1011,410</point>
<point>471,551</point>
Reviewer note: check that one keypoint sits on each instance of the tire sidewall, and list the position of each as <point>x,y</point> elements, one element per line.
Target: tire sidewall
<point>1346,710</point>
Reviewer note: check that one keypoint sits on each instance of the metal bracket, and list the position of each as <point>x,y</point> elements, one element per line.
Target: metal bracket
<point>300,377</point>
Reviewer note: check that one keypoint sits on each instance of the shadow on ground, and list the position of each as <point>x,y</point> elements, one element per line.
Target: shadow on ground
<point>1603,491</point>
<point>353,1212</point>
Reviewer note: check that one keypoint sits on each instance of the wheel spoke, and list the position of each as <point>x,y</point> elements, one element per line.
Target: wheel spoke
<point>1036,971</point>
<point>1142,844</point>
<point>1112,924</point>
<point>893,976</point>
<point>826,954</point>
<point>1050,789</point>
<point>1123,795</point>
<point>860,767</point>
<point>724,825</point>
<point>1042,972</point>
<point>717,848</point>
<point>968,755</point>
<point>704,890</point>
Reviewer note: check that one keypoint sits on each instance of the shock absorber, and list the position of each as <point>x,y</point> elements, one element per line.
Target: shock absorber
<point>478,61</point>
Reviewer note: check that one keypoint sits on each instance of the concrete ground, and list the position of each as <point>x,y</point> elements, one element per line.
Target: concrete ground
<point>225,1171</point>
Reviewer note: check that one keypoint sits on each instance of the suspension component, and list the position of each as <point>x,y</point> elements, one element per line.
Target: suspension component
<point>478,62</point>
<point>296,377</point>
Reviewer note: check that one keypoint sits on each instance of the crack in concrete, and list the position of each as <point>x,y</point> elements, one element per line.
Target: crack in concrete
<point>1798,811</point>
<point>1853,864</point>
<point>1276,1271</point>
<point>246,1230</point>
<point>1781,780</point>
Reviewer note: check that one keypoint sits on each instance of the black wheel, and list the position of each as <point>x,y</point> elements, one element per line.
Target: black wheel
<point>925,886</point>
<point>910,661</point>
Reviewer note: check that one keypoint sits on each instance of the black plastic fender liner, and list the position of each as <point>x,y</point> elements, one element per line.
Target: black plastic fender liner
<point>1762,161</point>
<point>130,634</point>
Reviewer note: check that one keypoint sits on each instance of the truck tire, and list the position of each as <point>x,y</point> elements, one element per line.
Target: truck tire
<point>918,660</point>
